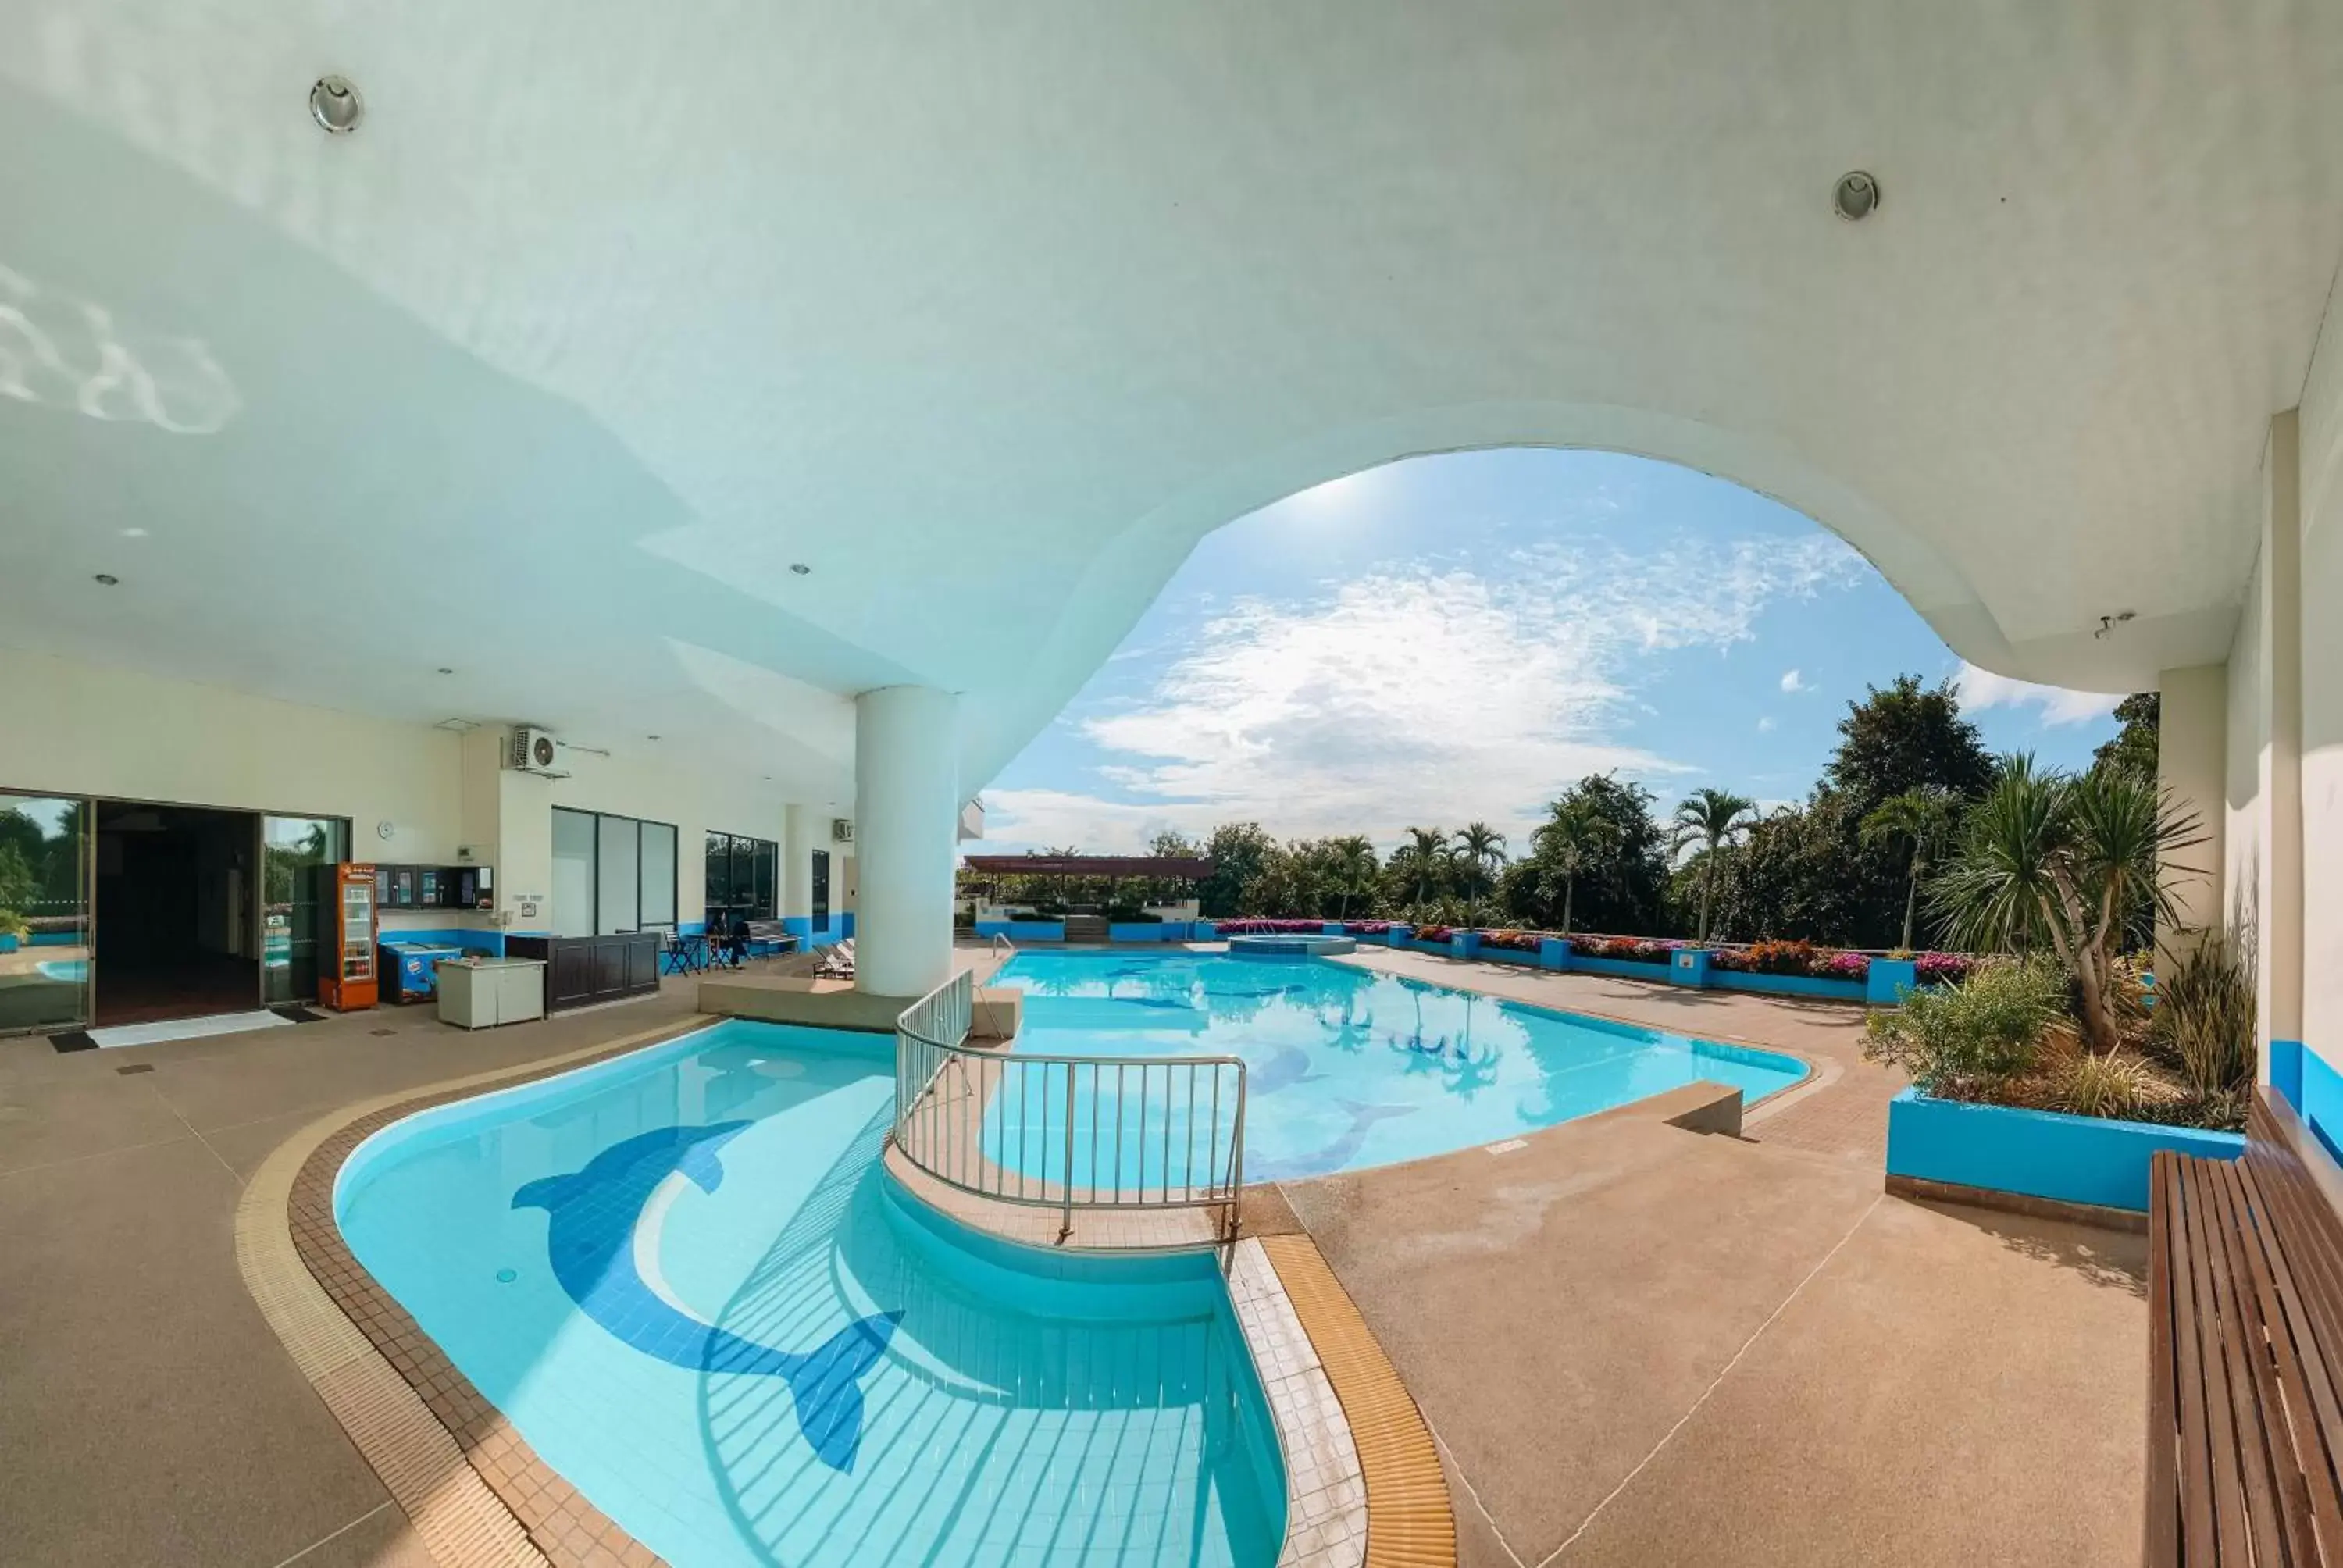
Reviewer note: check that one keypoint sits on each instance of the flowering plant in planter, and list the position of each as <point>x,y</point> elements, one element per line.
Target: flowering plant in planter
<point>1434,933</point>
<point>1367,928</point>
<point>1632,950</point>
<point>1257,926</point>
<point>1844,966</point>
<point>1511,941</point>
<point>1943,968</point>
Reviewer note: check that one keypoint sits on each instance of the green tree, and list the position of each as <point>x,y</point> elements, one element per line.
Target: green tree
<point>1713,819</point>
<point>2134,745</point>
<point>1905,736</point>
<point>2051,860</point>
<point>1918,818</point>
<point>1238,851</point>
<point>1355,871</point>
<point>1480,853</point>
<point>1621,890</point>
<point>1574,839</point>
<point>1422,863</point>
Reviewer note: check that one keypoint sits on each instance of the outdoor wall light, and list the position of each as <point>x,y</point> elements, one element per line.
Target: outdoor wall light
<point>107,579</point>
<point>1857,196</point>
<point>336,104</point>
<point>800,569</point>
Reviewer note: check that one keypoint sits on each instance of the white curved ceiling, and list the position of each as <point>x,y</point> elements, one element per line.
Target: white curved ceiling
<point>609,313</point>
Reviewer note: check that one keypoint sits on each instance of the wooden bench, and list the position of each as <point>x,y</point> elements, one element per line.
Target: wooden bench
<point>2245,1411</point>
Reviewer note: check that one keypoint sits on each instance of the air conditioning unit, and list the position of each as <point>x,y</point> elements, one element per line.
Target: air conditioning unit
<point>532,750</point>
<point>842,829</point>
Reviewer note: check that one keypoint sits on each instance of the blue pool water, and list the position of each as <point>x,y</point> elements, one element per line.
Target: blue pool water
<point>71,971</point>
<point>1347,1068</point>
<point>681,1276</point>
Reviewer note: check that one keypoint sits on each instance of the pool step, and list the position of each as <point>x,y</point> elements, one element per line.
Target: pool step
<point>1086,927</point>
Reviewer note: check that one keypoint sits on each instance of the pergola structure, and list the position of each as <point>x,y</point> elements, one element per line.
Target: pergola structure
<point>1114,869</point>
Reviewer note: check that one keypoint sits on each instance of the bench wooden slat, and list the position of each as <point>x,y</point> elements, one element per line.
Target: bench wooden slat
<point>2160,1545</point>
<point>2245,1409</point>
<point>2305,1376</point>
<point>2278,1503</point>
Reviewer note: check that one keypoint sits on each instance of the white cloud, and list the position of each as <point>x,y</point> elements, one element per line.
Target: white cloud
<point>1793,682</point>
<point>1981,688</point>
<point>1413,696</point>
<point>1766,724</point>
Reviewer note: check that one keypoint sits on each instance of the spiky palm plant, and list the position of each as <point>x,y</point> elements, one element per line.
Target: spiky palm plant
<point>2051,860</point>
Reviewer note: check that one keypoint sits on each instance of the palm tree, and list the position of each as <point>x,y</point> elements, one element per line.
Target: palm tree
<point>1918,817</point>
<point>1480,849</point>
<point>1354,868</point>
<point>1574,839</point>
<point>1713,819</point>
<point>2055,859</point>
<point>1422,856</point>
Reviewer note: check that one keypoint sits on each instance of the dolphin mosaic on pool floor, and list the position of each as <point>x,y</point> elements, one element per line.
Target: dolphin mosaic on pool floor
<point>505,1505</point>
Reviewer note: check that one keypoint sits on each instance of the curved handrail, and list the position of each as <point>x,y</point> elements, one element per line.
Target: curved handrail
<point>1018,1129</point>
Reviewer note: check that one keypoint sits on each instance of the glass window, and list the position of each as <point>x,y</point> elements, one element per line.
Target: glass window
<point>659,874</point>
<point>296,855</point>
<point>619,878</point>
<point>44,950</point>
<point>742,875</point>
<point>573,873</point>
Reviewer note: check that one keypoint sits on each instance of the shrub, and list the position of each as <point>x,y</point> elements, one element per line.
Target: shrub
<point>1846,966</point>
<point>2204,1014</point>
<point>1943,968</point>
<point>1367,928</point>
<point>2116,1086</point>
<point>1434,933</point>
<point>1511,941</point>
<point>1961,1040</point>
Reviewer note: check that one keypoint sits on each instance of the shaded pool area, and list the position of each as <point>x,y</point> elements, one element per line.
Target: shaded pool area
<point>1347,1068</point>
<point>683,1278</point>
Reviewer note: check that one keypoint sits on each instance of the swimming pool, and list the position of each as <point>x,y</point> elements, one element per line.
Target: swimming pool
<point>70,971</point>
<point>1348,1068</point>
<point>684,1278</point>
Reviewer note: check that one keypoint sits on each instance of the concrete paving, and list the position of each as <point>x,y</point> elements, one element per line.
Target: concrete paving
<point>150,1416</point>
<point>1638,1344</point>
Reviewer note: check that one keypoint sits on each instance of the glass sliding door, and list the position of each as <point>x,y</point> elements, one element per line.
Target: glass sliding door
<point>298,855</point>
<point>46,964</point>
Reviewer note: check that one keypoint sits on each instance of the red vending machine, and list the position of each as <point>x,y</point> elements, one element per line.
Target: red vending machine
<point>345,975</point>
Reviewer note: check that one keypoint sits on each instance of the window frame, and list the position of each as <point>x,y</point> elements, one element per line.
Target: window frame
<point>744,848</point>
<point>594,869</point>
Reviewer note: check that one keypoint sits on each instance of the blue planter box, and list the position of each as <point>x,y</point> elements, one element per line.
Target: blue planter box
<point>7,941</point>
<point>1554,953</point>
<point>1890,980</point>
<point>1019,930</point>
<point>1622,969</point>
<point>1510,956</point>
<point>1691,966</point>
<point>1788,985</point>
<point>1138,931</point>
<point>2038,1153</point>
<point>1204,932</point>
<point>1465,944</point>
<point>1446,950</point>
<point>1334,929</point>
<point>1398,936</point>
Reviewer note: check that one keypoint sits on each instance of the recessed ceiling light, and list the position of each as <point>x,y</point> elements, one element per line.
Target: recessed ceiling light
<point>800,569</point>
<point>650,737</point>
<point>108,579</point>
<point>1857,196</point>
<point>446,669</point>
<point>336,104</point>
<point>134,532</point>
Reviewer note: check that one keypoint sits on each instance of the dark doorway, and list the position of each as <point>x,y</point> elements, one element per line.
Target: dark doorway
<point>176,926</point>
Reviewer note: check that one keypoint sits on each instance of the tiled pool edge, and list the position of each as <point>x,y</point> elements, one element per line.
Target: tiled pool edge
<point>471,1486</point>
<point>1363,1482</point>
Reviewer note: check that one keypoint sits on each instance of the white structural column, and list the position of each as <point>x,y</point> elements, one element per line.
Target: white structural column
<point>2281,774</point>
<point>798,845</point>
<point>906,808</point>
<point>2191,766</point>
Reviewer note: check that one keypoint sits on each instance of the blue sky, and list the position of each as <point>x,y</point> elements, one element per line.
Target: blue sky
<point>1458,637</point>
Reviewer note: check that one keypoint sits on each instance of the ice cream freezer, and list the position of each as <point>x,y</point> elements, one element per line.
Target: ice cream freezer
<point>408,969</point>
<point>480,993</point>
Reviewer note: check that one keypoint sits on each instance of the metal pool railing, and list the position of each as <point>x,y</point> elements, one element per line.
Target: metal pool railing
<point>1066,1133</point>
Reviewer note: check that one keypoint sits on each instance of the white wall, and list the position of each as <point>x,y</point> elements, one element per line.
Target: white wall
<point>73,728</point>
<point>2320,735</point>
<point>68,728</point>
<point>2191,764</point>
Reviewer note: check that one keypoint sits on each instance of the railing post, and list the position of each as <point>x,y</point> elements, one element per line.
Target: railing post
<point>1067,1228</point>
